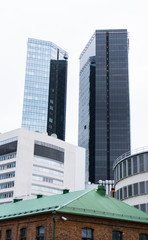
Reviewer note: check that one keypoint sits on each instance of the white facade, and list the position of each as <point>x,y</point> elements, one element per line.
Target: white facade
<point>32,163</point>
<point>131,178</point>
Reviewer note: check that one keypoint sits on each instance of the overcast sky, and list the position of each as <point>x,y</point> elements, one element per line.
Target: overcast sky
<point>70,24</point>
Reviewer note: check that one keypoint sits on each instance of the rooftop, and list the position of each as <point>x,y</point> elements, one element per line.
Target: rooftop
<point>92,203</point>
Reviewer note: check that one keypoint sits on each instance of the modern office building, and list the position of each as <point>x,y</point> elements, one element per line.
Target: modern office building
<point>44,107</point>
<point>32,163</point>
<point>131,178</point>
<point>104,120</point>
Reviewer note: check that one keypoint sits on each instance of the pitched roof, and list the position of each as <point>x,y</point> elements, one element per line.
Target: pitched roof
<point>86,202</point>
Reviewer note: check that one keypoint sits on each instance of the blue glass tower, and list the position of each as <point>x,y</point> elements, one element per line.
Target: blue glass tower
<point>104,119</point>
<point>44,107</point>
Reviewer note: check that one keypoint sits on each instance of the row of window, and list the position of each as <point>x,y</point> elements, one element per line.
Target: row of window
<point>8,156</point>
<point>48,170</point>
<point>48,161</point>
<point>47,179</point>
<point>8,140</point>
<point>143,207</point>
<point>34,128</point>
<point>23,234</point>
<point>33,73</point>
<point>7,175</point>
<point>7,166</point>
<point>131,166</point>
<point>132,190</point>
<point>41,188</point>
<point>6,185</point>
<point>35,96</point>
<point>87,234</point>
<point>6,195</point>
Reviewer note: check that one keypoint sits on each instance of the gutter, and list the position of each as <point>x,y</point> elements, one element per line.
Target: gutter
<point>54,225</point>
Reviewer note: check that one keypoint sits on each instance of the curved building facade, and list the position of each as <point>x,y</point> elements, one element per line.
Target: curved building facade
<point>131,178</point>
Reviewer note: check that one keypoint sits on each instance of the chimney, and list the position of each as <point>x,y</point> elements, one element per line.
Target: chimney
<point>101,190</point>
<point>65,191</point>
<point>39,196</point>
<point>17,200</point>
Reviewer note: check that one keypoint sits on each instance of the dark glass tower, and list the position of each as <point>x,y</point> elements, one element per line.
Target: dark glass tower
<point>44,108</point>
<point>104,120</point>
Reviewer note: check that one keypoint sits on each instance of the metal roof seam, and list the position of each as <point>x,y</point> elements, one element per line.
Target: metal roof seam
<point>88,190</point>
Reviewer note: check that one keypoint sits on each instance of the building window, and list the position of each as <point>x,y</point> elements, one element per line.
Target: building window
<point>0,235</point>
<point>129,190</point>
<point>143,237</point>
<point>23,234</point>
<point>129,167</point>
<point>87,234</point>
<point>116,235</point>
<point>142,187</point>
<point>143,207</point>
<point>135,168</point>
<point>135,189</point>
<point>125,192</point>
<point>40,233</point>
<point>141,163</point>
<point>8,235</point>
<point>124,169</point>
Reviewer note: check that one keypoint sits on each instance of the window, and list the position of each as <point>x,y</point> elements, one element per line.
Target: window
<point>23,234</point>
<point>125,192</point>
<point>40,233</point>
<point>129,190</point>
<point>143,237</point>
<point>87,234</point>
<point>135,169</point>
<point>0,235</point>
<point>142,187</point>
<point>129,167</point>
<point>124,169</point>
<point>8,235</point>
<point>135,189</point>
<point>116,235</point>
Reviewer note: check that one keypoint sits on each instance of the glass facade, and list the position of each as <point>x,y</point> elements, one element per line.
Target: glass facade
<point>104,121</point>
<point>44,106</point>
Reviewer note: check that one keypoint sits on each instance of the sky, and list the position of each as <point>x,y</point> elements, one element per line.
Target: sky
<point>70,24</point>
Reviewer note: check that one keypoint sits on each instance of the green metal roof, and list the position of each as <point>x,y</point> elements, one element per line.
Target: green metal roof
<point>86,202</point>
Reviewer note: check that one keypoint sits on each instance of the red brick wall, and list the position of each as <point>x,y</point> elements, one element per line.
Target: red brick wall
<point>71,229</point>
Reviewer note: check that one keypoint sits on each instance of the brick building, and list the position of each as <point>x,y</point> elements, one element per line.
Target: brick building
<point>86,215</point>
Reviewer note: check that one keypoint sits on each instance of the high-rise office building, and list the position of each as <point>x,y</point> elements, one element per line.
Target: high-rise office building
<point>44,107</point>
<point>104,120</point>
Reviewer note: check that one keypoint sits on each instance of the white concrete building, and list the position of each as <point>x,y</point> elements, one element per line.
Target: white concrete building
<point>131,178</point>
<point>32,163</point>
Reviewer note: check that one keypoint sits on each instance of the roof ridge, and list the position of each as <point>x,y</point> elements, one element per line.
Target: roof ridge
<point>87,190</point>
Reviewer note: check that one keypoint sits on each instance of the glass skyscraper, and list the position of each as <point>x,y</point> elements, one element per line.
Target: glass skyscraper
<point>44,107</point>
<point>104,118</point>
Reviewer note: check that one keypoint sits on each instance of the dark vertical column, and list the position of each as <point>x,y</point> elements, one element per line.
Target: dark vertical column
<point>108,106</point>
<point>92,80</point>
<point>56,89</point>
<point>57,98</point>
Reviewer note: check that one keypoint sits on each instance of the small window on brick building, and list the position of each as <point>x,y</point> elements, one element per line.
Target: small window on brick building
<point>87,234</point>
<point>116,235</point>
<point>8,235</point>
<point>143,237</point>
<point>0,235</point>
<point>40,233</point>
<point>23,234</point>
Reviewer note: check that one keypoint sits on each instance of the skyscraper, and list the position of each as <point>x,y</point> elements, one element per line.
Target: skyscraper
<point>104,120</point>
<point>44,107</point>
